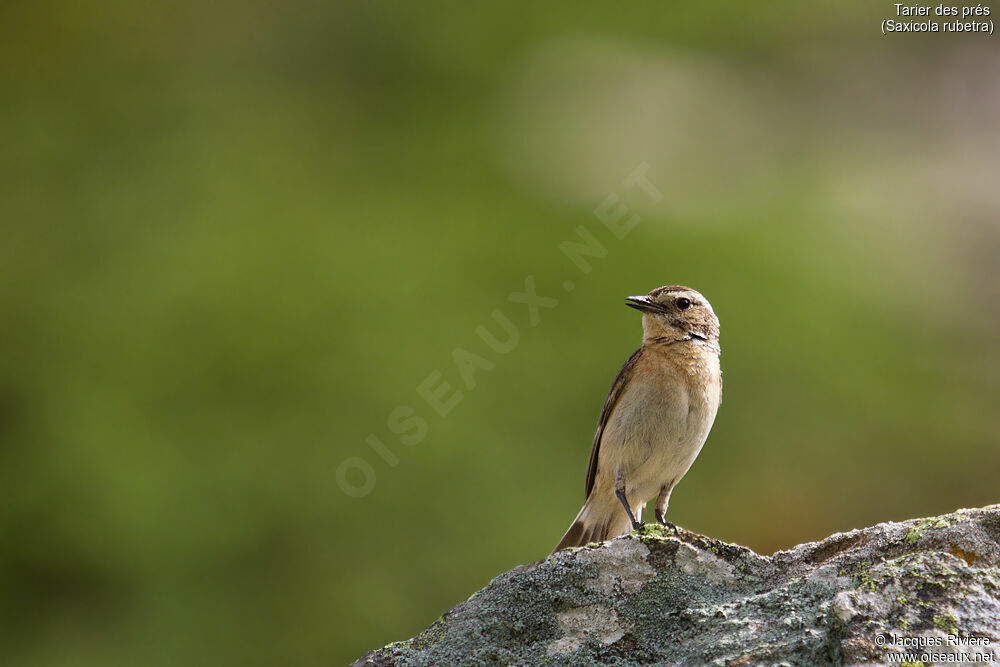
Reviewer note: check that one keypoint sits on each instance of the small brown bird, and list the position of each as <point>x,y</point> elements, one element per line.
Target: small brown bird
<point>656,417</point>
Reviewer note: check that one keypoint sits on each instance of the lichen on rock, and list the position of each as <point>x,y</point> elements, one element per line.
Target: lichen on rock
<point>674,597</point>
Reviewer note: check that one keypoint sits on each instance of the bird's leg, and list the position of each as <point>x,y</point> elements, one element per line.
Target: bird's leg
<point>661,508</point>
<point>636,525</point>
<point>620,492</point>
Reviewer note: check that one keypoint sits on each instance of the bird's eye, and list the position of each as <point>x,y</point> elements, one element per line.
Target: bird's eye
<point>683,303</point>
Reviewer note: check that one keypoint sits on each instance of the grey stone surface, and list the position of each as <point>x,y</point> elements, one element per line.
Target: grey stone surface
<point>685,599</point>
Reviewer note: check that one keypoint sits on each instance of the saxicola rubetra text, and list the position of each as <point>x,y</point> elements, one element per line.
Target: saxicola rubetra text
<point>656,417</point>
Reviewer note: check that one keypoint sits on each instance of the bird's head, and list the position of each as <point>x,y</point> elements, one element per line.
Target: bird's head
<point>674,313</point>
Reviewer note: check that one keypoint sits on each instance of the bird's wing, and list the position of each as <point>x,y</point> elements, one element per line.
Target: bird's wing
<point>609,405</point>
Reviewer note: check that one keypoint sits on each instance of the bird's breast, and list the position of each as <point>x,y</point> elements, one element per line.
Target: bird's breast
<point>663,417</point>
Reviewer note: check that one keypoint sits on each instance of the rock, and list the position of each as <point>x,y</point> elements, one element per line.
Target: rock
<point>929,586</point>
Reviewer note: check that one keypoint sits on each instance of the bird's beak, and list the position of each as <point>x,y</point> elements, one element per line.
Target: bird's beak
<point>642,303</point>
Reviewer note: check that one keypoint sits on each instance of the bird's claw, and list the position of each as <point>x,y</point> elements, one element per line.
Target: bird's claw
<point>662,520</point>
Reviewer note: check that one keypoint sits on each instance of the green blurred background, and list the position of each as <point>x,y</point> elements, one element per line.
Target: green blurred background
<point>236,236</point>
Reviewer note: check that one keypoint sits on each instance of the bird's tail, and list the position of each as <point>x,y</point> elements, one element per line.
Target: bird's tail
<point>598,520</point>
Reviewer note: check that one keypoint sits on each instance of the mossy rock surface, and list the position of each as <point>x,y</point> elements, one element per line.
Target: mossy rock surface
<point>678,598</point>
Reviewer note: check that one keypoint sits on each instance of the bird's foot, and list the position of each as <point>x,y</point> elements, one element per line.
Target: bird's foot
<point>637,525</point>
<point>662,520</point>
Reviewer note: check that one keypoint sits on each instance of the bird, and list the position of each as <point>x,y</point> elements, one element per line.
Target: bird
<point>656,417</point>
